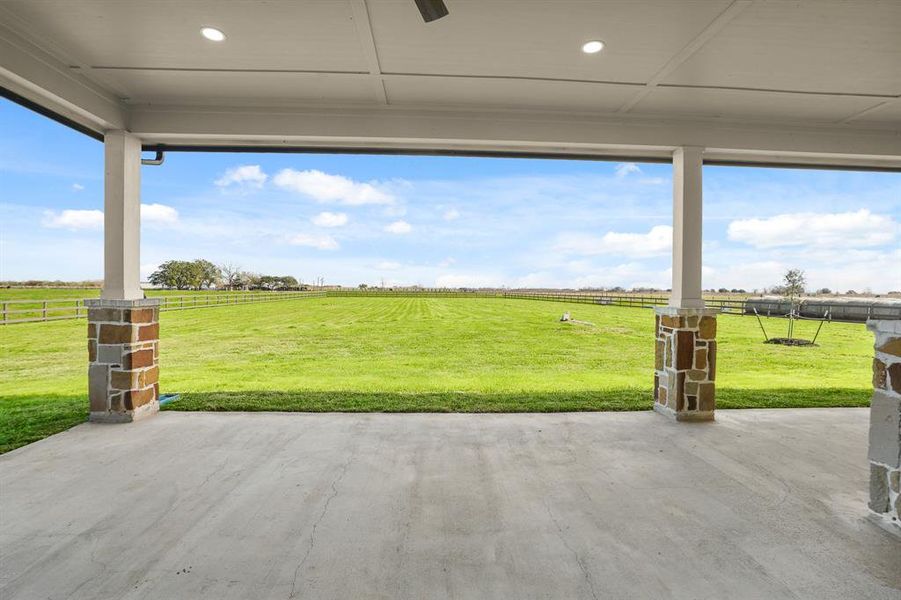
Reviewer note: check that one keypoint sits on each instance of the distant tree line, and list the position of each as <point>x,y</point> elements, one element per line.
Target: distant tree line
<point>202,274</point>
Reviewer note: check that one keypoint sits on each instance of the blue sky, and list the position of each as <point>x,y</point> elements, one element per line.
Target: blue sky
<point>439,220</point>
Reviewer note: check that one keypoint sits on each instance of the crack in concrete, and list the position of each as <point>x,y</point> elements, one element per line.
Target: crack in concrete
<point>585,573</point>
<point>328,501</point>
<point>210,475</point>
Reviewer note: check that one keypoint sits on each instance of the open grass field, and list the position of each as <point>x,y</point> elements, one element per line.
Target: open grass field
<point>40,293</point>
<point>421,354</point>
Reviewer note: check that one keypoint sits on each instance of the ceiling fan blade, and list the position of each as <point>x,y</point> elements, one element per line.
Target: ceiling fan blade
<point>431,10</point>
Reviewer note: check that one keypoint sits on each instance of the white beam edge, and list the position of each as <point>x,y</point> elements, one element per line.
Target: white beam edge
<point>33,74</point>
<point>506,132</point>
<point>367,42</point>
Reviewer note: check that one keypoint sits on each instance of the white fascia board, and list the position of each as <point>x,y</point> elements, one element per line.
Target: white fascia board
<point>30,72</point>
<point>392,129</point>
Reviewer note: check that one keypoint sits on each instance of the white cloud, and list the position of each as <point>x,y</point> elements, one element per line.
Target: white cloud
<point>447,262</point>
<point>399,227</point>
<point>158,213</point>
<point>876,271</point>
<point>627,275</point>
<point>330,219</point>
<point>73,219</point>
<point>93,219</point>
<point>77,187</point>
<point>849,230</point>
<point>623,169</point>
<point>584,274</point>
<point>324,187</point>
<point>540,279</point>
<point>320,242</point>
<point>245,175</point>
<point>394,210</point>
<point>451,214</point>
<point>657,241</point>
<point>474,280</point>
<point>388,265</point>
<point>841,270</point>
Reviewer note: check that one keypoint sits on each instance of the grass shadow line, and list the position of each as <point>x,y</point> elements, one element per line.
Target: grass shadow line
<point>27,418</point>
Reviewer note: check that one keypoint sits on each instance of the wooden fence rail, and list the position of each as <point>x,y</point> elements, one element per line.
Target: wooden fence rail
<point>851,312</point>
<point>28,311</point>
<point>31,311</point>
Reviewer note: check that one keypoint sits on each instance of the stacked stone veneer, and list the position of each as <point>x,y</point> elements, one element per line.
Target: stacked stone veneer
<point>123,350</point>
<point>685,363</point>
<point>885,424</point>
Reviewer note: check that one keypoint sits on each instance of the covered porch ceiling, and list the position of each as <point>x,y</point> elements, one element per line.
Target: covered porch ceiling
<point>807,82</point>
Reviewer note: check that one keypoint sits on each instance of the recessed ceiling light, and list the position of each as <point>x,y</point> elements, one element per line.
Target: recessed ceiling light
<point>212,34</point>
<point>592,47</point>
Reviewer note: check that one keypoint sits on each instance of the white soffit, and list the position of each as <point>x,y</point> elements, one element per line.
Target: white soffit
<point>497,92</point>
<point>165,34</point>
<point>768,78</point>
<point>830,46</point>
<point>539,39</point>
<point>252,88</point>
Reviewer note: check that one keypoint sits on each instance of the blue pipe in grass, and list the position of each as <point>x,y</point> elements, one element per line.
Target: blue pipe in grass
<point>168,398</point>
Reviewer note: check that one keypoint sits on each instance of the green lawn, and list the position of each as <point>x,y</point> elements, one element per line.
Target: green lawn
<point>48,293</point>
<point>421,354</point>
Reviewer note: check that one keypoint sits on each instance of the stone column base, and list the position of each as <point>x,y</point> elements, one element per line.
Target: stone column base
<point>123,350</point>
<point>885,425</point>
<point>685,363</point>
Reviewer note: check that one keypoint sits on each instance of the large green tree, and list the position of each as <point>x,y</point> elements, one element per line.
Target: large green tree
<point>175,274</point>
<point>207,274</point>
<point>185,275</point>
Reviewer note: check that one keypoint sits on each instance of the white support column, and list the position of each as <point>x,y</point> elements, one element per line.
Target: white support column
<point>122,217</point>
<point>123,327</point>
<point>687,210</point>
<point>685,357</point>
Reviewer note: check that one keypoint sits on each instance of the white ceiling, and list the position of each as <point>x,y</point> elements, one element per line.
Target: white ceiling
<point>831,65</point>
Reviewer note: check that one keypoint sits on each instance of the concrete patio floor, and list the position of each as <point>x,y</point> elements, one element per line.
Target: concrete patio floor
<point>761,504</point>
